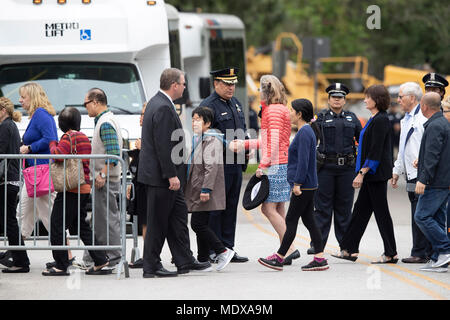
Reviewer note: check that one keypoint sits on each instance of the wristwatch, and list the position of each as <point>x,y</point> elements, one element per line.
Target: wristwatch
<point>29,149</point>
<point>102,175</point>
<point>362,172</point>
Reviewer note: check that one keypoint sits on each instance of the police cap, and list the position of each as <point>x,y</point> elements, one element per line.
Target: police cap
<point>434,80</point>
<point>227,75</point>
<point>337,90</point>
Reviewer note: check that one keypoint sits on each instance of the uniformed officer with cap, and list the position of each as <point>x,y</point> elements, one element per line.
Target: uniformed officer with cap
<point>435,83</point>
<point>337,131</point>
<point>228,116</point>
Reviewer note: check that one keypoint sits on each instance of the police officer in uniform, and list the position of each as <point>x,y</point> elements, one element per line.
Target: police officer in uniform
<point>435,83</point>
<point>337,131</point>
<point>228,117</point>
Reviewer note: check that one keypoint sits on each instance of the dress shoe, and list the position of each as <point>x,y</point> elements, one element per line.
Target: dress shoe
<point>160,273</point>
<point>6,259</point>
<point>195,266</point>
<point>238,258</point>
<point>311,251</point>
<point>413,259</point>
<point>17,270</point>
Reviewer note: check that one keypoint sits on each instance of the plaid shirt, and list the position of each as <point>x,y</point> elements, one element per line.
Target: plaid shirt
<point>109,138</point>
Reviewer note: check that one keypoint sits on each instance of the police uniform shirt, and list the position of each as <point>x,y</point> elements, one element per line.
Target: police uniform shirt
<point>228,114</point>
<point>339,130</point>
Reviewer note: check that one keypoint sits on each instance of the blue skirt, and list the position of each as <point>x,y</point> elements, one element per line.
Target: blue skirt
<point>279,188</point>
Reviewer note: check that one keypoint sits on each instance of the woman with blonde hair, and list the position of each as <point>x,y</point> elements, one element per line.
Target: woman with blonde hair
<point>40,131</point>
<point>274,143</point>
<point>9,186</point>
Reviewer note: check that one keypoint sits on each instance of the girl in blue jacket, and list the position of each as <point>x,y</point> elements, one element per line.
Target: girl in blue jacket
<point>302,177</point>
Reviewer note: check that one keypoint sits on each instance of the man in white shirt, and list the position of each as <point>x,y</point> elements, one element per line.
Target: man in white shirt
<point>410,137</point>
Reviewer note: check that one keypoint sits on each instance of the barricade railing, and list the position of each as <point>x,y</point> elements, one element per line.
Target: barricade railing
<point>34,237</point>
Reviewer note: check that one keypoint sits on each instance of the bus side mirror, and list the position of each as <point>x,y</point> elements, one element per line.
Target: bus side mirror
<point>205,87</point>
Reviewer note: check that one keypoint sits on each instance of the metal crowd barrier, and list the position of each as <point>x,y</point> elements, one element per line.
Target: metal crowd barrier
<point>123,264</point>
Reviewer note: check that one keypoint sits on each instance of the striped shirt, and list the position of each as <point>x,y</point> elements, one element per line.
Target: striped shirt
<point>109,138</point>
<point>82,145</point>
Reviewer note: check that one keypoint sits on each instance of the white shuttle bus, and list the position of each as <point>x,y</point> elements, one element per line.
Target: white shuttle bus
<point>74,45</point>
<point>210,42</point>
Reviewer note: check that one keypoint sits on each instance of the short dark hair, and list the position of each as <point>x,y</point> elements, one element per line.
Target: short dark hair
<point>69,119</point>
<point>169,76</point>
<point>380,95</point>
<point>305,107</point>
<point>205,113</point>
<point>98,95</point>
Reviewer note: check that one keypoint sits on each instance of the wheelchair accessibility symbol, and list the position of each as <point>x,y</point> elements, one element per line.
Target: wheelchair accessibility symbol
<point>85,34</point>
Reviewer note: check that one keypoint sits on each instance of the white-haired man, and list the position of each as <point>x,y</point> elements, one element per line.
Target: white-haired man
<point>410,136</point>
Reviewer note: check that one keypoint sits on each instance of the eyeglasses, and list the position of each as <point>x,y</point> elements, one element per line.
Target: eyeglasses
<point>445,111</point>
<point>183,84</point>
<point>86,103</point>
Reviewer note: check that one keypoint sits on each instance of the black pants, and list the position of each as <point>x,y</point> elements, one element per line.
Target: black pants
<point>371,198</point>
<point>167,218</point>
<point>20,257</point>
<point>335,195</point>
<point>58,232</point>
<point>206,238</point>
<point>301,206</point>
<point>421,246</point>
<point>223,223</point>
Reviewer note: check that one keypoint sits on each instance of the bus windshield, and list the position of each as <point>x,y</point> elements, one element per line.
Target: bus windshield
<point>66,84</point>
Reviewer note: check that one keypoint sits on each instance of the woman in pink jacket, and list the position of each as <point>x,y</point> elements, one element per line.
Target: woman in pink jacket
<point>274,144</point>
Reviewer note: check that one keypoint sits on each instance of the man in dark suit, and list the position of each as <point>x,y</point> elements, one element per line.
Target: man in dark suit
<point>163,172</point>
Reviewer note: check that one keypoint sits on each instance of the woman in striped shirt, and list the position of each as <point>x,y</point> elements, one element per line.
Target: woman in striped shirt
<point>72,142</point>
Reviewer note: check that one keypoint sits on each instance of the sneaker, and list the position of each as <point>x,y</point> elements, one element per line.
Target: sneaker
<point>437,269</point>
<point>224,259</point>
<point>274,262</point>
<point>316,265</point>
<point>428,265</point>
<point>81,265</point>
<point>288,260</point>
<point>443,259</point>
<point>213,258</point>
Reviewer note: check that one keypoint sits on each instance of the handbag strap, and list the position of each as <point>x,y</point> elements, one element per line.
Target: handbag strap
<point>72,149</point>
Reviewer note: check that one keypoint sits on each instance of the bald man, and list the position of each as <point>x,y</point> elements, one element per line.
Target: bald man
<point>433,181</point>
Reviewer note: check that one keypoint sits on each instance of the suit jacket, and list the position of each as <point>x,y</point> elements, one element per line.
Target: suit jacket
<point>377,147</point>
<point>161,156</point>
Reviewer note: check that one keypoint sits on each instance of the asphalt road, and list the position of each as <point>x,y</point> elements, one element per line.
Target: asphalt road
<point>255,238</point>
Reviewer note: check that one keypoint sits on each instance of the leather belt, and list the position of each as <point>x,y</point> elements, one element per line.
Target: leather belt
<point>340,160</point>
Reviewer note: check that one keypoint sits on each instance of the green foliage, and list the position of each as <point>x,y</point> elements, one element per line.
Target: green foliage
<point>413,32</point>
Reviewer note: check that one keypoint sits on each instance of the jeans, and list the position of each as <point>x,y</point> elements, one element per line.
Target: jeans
<point>430,218</point>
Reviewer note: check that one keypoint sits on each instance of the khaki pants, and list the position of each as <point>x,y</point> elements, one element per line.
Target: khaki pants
<point>27,215</point>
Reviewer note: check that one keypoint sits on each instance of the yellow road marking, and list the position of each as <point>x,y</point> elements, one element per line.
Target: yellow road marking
<point>384,270</point>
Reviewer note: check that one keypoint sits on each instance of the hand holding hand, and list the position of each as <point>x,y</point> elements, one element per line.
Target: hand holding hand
<point>236,146</point>
<point>24,149</point>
